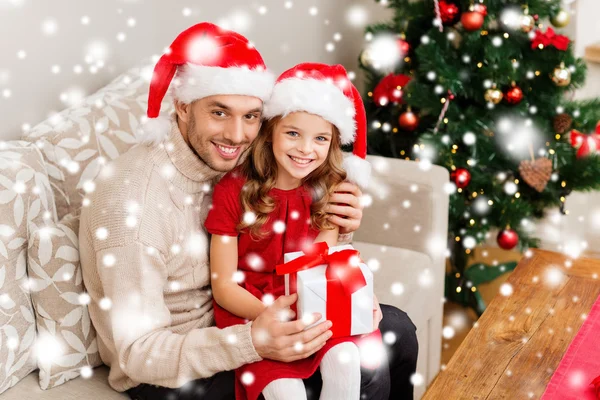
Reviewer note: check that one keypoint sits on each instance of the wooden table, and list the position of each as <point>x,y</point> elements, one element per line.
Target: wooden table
<point>515,347</point>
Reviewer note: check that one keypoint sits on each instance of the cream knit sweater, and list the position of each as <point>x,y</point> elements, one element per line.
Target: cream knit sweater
<point>144,255</point>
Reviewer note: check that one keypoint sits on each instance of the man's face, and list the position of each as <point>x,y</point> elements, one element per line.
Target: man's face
<point>220,128</point>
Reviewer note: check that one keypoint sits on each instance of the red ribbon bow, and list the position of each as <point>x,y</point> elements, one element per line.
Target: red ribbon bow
<point>596,383</point>
<point>586,144</point>
<point>344,277</point>
<point>550,38</point>
<point>390,89</point>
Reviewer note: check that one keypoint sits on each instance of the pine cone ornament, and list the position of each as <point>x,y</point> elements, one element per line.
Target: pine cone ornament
<point>562,123</point>
<point>536,173</point>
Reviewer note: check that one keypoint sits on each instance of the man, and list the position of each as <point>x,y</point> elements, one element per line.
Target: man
<point>144,252</point>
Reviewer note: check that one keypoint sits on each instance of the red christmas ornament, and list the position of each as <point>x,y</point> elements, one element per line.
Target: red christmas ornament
<point>408,121</point>
<point>481,9</point>
<point>404,46</point>
<point>472,21</point>
<point>461,177</point>
<point>389,89</point>
<point>507,239</point>
<point>449,12</point>
<point>514,95</point>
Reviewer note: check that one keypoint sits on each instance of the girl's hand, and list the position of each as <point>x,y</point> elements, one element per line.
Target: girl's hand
<point>345,208</point>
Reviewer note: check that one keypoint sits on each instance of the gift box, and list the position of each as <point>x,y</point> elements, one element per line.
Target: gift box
<point>333,282</point>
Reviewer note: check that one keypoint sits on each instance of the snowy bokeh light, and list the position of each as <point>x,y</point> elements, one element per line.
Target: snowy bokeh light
<point>49,26</point>
<point>511,18</point>
<point>417,379</point>
<point>448,332</point>
<point>506,289</point>
<point>553,277</point>
<point>518,136</point>
<point>247,378</point>
<point>47,348</point>
<point>384,52</point>
<point>268,299</point>
<point>357,16</point>
<point>372,353</point>
<point>249,217</point>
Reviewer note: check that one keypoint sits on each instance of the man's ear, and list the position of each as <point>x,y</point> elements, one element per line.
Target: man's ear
<point>182,110</point>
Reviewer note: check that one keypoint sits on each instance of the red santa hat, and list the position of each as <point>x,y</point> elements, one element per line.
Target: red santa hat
<point>326,91</point>
<point>208,61</point>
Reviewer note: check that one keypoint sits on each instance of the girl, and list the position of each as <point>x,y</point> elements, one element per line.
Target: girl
<point>274,203</point>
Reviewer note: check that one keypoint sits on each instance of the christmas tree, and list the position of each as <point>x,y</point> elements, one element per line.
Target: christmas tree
<point>484,88</point>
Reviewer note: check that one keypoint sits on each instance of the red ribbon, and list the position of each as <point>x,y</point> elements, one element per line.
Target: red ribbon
<point>550,38</point>
<point>596,383</point>
<point>344,277</point>
<point>586,144</point>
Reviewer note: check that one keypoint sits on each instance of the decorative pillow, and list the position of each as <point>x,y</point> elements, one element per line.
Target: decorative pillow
<point>25,196</point>
<point>78,141</point>
<point>66,338</point>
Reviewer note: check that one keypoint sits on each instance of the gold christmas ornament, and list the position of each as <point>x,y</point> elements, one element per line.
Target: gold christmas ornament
<point>493,95</point>
<point>527,23</point>
<point>561,75</point>
<point>366,59</point>
<point>561,18</point>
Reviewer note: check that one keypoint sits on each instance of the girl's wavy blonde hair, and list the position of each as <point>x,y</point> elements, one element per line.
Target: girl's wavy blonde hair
<point>260,171</point>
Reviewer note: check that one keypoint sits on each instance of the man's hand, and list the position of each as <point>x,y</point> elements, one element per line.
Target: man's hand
<point>377,314</point>
<point>345,208</point>
<point>277,339</point>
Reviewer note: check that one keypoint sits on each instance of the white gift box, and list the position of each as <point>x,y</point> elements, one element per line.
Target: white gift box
<point>311,286</point>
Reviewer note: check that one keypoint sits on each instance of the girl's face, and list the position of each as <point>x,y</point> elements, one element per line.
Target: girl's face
<point>301,144</point>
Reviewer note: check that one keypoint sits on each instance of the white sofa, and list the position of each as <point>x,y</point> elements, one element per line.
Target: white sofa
<point>403,233</point>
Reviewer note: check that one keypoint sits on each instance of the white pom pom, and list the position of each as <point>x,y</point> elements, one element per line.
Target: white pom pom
<point>154,130</point>
<point>358,170</point>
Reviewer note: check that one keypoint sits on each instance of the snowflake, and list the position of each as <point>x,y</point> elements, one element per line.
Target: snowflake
<point>255,261</point>
<point>238,276</point>
<point>84,299</point>
<point>249,217</point>
<point>48,349</point>
<point>372,353</point>
<point>397,288</point>
<point>105,303</point>
<point>247,378</point>
<point>109,260</point>
<point>506,289</point>
<point>373,264</point>
<point>268,299</point>
<point>86,372</point>
<point>448,332</point>
<point>389,338</point>
<point>417,379</point>
<point>279,227</point>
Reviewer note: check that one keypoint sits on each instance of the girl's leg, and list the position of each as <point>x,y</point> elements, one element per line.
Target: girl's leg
<point>284,389</point>
<point>340,370</point>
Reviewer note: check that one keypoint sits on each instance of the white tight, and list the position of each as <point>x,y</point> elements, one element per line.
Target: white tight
<point>340,371</point>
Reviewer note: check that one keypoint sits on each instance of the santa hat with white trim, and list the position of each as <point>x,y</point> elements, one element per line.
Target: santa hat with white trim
<point>208,61</point>
<point>326,91</point>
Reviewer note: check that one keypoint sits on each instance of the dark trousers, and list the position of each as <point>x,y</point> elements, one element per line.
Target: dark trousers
<point>390,381</point>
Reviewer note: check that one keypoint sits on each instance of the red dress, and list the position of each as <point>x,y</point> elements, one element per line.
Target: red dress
<point>257,259</point>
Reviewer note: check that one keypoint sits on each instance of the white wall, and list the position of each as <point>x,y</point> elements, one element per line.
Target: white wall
<point>284,37</point>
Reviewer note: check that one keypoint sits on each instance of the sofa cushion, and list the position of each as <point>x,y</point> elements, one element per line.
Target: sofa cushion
<point>25,196</point>
<point>94,387</point>
<point>64,328</point>
<point>402,278</point>
<point>78,141</point>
